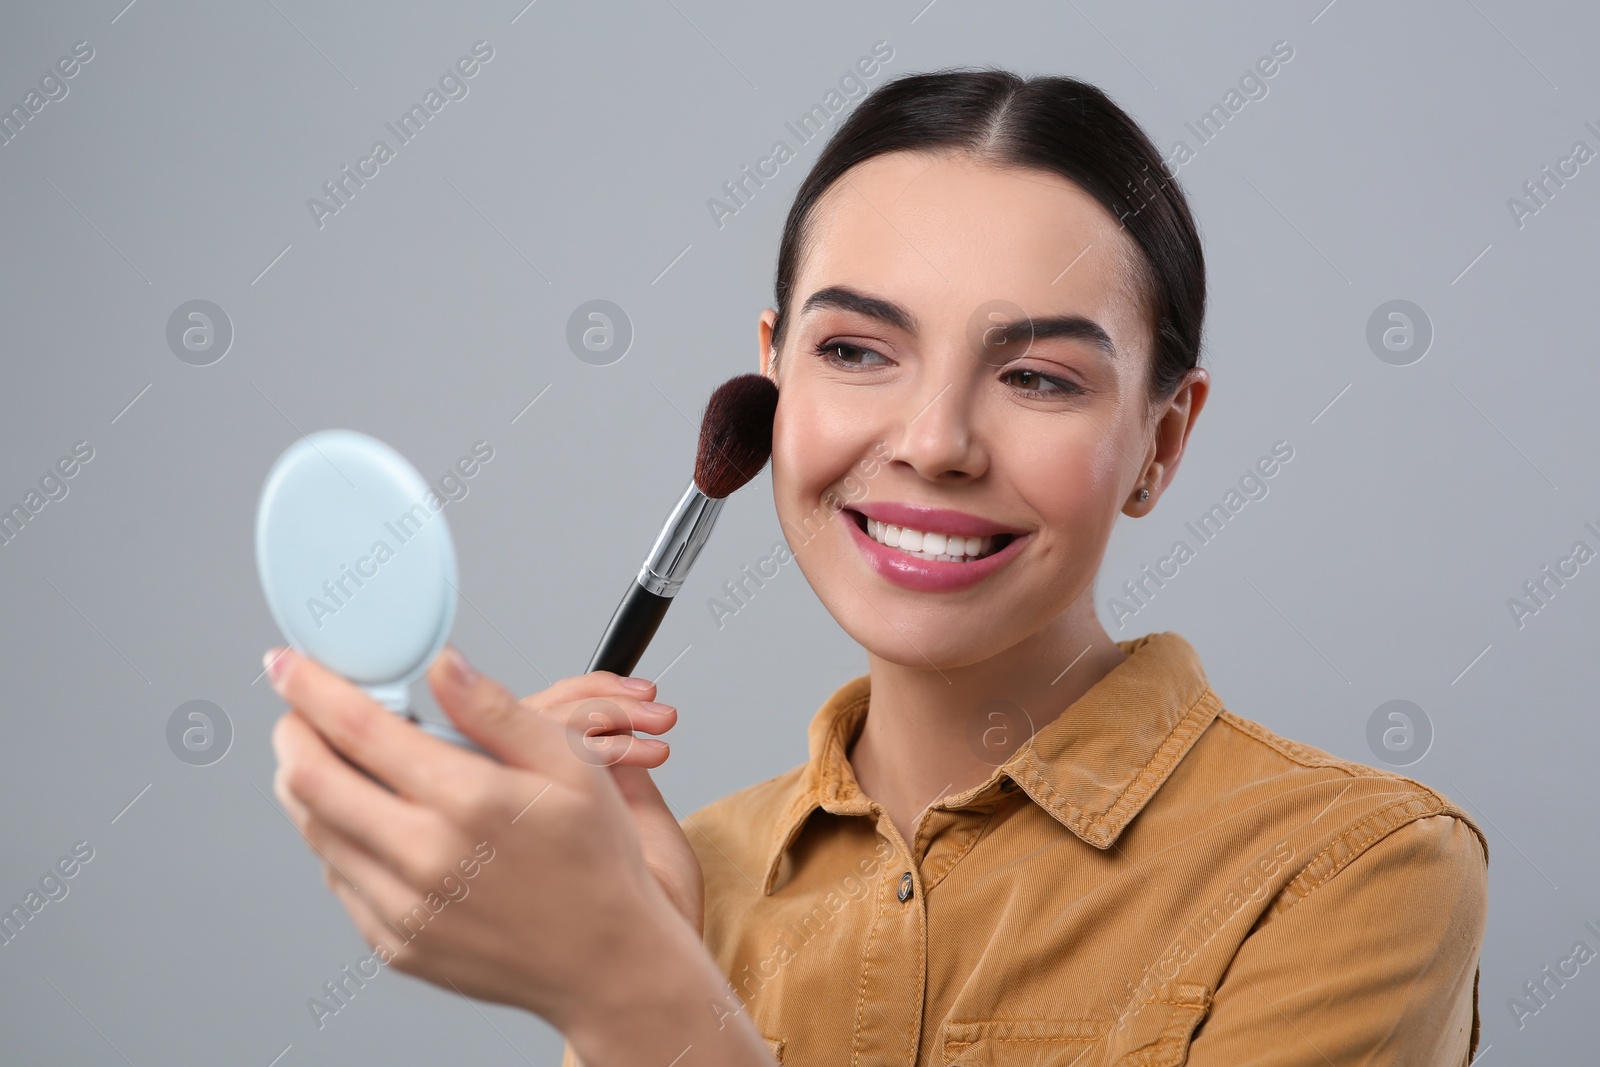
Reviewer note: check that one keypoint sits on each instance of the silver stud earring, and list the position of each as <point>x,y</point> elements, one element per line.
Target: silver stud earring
<point>1144,494</point>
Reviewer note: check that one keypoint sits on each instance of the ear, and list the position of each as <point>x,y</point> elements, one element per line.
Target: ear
<point>1173,427</point>
<point>769,358</point>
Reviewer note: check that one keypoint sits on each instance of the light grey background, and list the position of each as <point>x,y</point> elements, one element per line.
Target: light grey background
<point>433,308</point>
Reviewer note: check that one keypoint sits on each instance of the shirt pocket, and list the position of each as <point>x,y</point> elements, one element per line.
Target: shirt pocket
<point>1156,1035</point>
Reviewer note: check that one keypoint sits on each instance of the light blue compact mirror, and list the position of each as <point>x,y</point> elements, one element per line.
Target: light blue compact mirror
<point>357,564</point>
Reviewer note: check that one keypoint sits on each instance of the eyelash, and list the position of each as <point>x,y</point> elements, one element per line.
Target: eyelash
<point>825,351</point>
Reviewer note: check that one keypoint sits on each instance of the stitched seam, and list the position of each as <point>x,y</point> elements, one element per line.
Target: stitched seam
<point>782,831</point>
<point>1177,744</point>
<point>1179,741</point>
<point>786,828</point>
<point>1352,844</point>
<point>835,729</point>
<point>1358,838</point>
<point>1295,751</point>
<point>1077,1031</point>
<point>920,1000</point>
<point>976,833</point>
<point>1036,1040</point>
<point>866,955</point>
<point>1304,756</point>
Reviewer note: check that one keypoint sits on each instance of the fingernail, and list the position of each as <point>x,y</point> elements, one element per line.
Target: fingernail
<point>464,674</point>
<point>638,683</point>
<point>653,706</point>
<point>276,661</point>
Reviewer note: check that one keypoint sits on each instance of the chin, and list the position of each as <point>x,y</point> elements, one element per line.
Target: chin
<point>897,650</point>
<point>935,641</point>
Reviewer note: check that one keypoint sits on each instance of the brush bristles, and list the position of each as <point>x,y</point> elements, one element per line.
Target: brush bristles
<point>735,435</point>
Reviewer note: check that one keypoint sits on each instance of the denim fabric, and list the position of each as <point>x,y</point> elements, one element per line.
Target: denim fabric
<point>1164,883</point>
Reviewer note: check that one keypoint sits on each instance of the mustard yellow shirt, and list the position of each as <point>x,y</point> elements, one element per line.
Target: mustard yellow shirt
<point>1152,880</point>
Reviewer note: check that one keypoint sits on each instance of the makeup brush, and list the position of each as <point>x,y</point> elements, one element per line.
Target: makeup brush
<point>735,443</point>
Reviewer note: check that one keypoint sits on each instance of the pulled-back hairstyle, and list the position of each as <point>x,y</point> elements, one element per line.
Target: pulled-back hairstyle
<point>1056,124</point>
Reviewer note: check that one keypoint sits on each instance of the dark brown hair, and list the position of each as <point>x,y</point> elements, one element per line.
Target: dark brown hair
<point>1056,124</point>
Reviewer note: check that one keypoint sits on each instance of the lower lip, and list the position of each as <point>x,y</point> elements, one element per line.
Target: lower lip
<point>931,575</point>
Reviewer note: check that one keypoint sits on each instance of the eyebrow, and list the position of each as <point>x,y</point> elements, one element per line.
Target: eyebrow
<point>1070,327</point>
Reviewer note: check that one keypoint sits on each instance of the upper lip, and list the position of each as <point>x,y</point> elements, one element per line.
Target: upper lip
<point>934,520</point>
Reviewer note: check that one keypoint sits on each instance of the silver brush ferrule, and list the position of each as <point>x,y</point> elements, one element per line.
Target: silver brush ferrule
<point>680,542</point>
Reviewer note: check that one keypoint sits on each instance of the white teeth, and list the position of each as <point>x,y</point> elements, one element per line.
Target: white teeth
<point>949,548</point>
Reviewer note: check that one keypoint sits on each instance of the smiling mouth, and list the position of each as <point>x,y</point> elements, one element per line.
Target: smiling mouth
<point>922,544</point>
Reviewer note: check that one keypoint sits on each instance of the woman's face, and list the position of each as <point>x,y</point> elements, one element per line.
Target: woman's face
<point>901,399</point>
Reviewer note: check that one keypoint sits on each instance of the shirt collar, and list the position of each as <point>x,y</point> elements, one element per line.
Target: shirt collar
<point>1092,768</point>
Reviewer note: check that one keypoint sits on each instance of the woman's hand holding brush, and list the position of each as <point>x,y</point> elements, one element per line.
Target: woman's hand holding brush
<point>578,703</point>
<point>525,881</point>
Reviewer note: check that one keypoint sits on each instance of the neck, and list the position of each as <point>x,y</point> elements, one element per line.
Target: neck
<point>932,732</point>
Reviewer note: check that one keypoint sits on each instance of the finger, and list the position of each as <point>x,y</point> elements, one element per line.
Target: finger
<point>613,714</point>
<point>280,778</point>
<point>593,684</point>
<point>645,753</point>
<point>409,840</point>
<point>371,736</point>
<point>380,903</point>
<point>623,750</point>
<point>394,906</point>
<point>483,710</point>
<point>373,930</point>
<point>601,730</point>
<point>646,716</point>
<point>346,862</point>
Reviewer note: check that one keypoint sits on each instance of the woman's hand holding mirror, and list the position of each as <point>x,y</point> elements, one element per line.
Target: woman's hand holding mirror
<point>579,899</point>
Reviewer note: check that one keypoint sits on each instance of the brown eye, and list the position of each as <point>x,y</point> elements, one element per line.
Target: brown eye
<point>1032,381</point>
<point>842,355</point>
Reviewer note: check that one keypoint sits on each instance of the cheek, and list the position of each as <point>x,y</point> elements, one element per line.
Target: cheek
<point>790,463</point>
<point>1070,479</point>
<point>814,445</point>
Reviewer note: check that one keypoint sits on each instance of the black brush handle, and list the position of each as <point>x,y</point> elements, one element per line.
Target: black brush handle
<point>628,635</point>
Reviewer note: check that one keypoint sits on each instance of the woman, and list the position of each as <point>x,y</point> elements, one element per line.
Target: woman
<point>1016,840</point>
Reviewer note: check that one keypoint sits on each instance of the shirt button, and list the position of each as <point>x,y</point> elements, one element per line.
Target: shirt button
<point>904,892</point>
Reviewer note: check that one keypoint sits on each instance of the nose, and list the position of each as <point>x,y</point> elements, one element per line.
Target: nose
<point>938,438</point>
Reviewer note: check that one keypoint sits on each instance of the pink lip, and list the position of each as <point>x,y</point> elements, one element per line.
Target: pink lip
<point>930,575</point>
<point>934,520</point>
